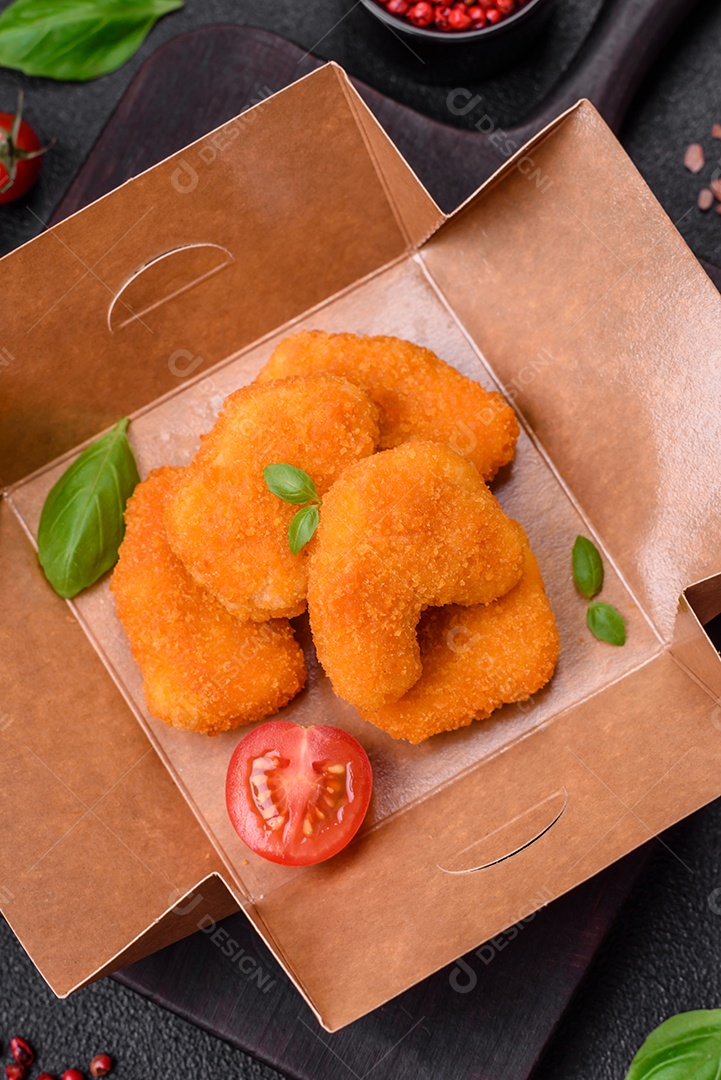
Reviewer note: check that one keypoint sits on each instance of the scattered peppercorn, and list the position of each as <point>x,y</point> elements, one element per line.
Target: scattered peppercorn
<point>456,17</point>
<point>694,159</point>
<point>705,199</point>
<point>22,1051</point>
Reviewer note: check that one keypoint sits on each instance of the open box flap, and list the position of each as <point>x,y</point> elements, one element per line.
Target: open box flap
<point>606,334</point>
<point>580,774</point>
<point>278,209</point>
<point>65,815</point>
<point>692,646</point>
<point>487,851</point>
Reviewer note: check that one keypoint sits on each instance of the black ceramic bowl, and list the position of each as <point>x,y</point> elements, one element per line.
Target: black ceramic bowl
<point>434,56</point>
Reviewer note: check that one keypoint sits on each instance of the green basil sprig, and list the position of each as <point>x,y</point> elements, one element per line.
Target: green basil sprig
<point>587,567</point>
<point>76,39</point>
<point>293,485</point>
<point>302,527</point>
<point>81,524</point>
<point>605,623</point>
<point>686,1046</point>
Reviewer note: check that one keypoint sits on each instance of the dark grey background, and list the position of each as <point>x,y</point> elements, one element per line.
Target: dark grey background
<point>663,955</point>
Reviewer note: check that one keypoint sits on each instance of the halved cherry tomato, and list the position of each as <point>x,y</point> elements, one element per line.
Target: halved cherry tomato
<point>298,795</point>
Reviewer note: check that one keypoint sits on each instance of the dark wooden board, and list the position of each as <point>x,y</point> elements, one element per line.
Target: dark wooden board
<point>203,78</point>
<point>494,1026</point>
<point>496,1030</point>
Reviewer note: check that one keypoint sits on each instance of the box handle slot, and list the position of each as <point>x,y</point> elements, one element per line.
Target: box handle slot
<point>510,838</point>
<point>164,278</point>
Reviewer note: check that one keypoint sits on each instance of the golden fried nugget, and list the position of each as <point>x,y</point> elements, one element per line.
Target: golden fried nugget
<point>476,659</point>
<point>203,669</point>
<point>224,524</point>
<point>420,396</point>
<point>406,529</point>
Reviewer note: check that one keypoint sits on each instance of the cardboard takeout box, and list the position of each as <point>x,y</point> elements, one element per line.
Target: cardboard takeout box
<point>562,282</point>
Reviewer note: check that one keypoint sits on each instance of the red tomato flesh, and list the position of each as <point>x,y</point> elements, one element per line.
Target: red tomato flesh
<point>298,795</point>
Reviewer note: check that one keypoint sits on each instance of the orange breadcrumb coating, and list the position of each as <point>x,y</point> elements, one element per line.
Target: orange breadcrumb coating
<point>420,396</point>
<point>229,530</point>
<point>476,659</point>
<point>408,528</point>
<point>203,669</point>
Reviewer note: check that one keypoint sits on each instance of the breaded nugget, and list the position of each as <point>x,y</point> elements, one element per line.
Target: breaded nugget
<point>476,659</point>
<point>224,524</point>
<point>408,528</point>
<point>203,669</point>
<point>420,396</point>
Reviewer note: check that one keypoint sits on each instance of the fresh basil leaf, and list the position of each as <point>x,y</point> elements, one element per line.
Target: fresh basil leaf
<point>302,527</point>
<point>684,1047</point>
<point>606,623</point>
<point>290,484</point>
<point>76,39</point>
<point>81,524</point>
<point>587,567</point>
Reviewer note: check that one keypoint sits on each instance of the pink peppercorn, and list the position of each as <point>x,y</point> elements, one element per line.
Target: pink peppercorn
<point>421,14</point>
<point>442,18</point>
<point>459,19</point>
<point>456,16</point>
<point>22,1051</point>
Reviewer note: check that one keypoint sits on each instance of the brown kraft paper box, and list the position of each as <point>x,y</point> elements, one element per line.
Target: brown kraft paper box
<point>561,282</point>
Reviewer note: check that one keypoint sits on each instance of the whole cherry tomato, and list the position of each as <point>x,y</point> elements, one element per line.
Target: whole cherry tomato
<point>298,795</point>
<point>20,154</point>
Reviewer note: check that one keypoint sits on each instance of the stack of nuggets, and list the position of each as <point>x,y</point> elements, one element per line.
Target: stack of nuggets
<point>205,580</point>
<point>195,656</point>
<point>426,604</point>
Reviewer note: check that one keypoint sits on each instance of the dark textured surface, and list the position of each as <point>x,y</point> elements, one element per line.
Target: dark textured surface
<point>147,1042</point>
<point>661,957</point>
<point>75,113</point>
<point>482,1015</point>
<point>681,98</point>
<point>677,105</point>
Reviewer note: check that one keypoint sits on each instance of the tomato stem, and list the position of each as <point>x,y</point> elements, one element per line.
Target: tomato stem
<point>10,152</point>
